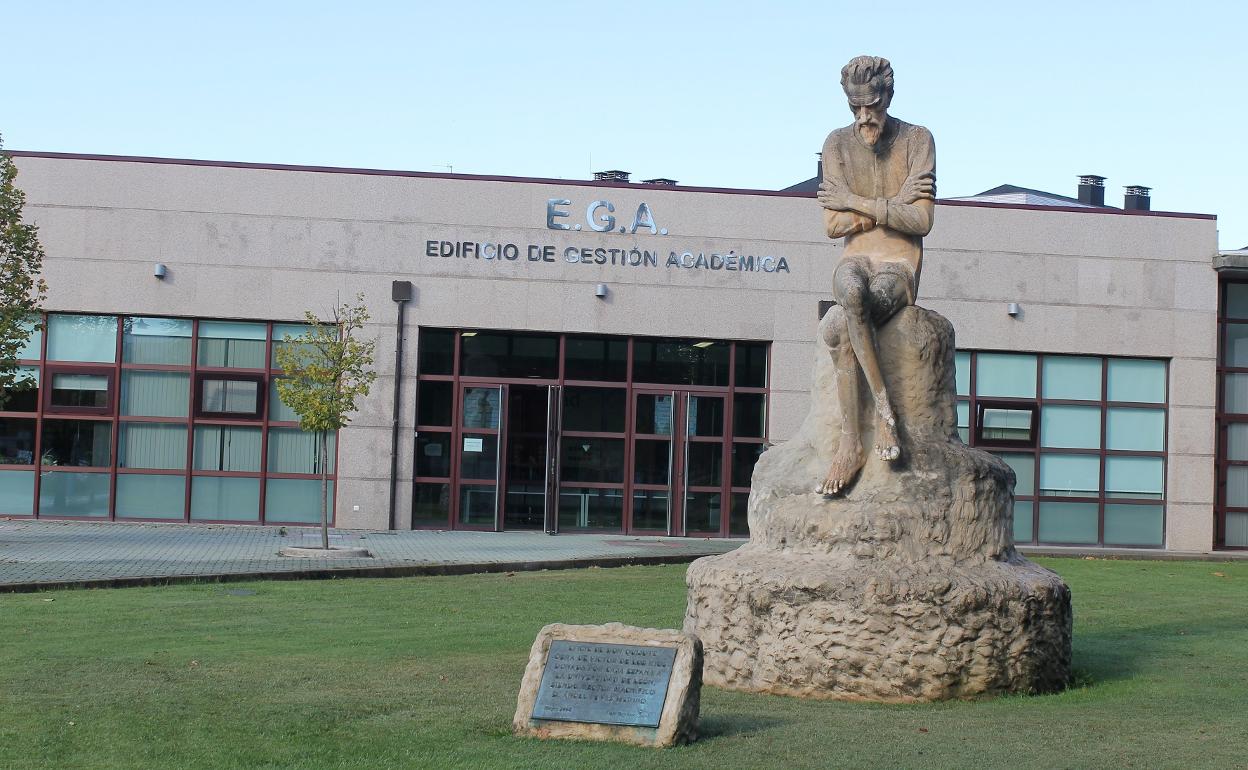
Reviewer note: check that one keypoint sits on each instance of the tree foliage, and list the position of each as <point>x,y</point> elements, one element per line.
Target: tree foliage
<point>22,289</point>
<point>325,372</point>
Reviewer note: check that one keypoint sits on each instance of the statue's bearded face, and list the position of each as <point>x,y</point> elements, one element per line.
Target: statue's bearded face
<point>869,120</point>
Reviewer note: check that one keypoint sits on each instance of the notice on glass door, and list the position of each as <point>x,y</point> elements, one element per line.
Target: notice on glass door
<point>472,444</point>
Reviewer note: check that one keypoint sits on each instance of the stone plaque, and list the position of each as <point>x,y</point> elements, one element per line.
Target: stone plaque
<point>611,684</point>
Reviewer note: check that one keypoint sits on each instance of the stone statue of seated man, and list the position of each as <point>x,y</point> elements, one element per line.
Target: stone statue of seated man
<point>878,192</point>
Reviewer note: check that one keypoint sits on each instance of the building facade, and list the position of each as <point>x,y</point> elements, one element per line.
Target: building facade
<point>588,356</point>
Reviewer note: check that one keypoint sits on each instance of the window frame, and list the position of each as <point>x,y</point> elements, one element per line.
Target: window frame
<point>256,415</point>
<point>51,369</point>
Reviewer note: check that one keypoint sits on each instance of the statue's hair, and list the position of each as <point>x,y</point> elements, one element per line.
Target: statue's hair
<point>869,70</point>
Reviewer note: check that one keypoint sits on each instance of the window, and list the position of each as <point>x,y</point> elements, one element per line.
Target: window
<point>238,396</point>
<point>156,341</point>
<point>1085,436</point>
<point>84,392</point>
<point>82,338</point>
<point>231,344</point>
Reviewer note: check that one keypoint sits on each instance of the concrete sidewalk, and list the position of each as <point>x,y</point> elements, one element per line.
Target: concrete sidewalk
<point>54,554</point>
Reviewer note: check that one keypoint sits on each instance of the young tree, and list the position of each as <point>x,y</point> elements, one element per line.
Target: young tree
<point>22,290</point>
<point>325,371</point>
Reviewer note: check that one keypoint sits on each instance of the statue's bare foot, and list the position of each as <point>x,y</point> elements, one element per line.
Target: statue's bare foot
<point>887,447</point>
<point>846,463</point>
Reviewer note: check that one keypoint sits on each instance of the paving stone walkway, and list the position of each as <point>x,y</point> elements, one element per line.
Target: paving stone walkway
<point>44,554</point>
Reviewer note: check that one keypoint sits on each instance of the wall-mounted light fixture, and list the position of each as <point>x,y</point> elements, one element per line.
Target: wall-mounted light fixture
<point>160,271</point>
<point>600,291</point>
<point>1013,309</point>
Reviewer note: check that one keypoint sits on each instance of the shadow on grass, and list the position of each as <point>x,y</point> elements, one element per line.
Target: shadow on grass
<point>731,725</point>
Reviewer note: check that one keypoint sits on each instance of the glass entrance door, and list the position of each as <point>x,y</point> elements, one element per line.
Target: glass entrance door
<point>678,462</point>
<point>532,416</point>
<point>478,465</point>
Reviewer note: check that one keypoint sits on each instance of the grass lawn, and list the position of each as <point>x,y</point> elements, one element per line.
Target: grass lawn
<point>423,672</point>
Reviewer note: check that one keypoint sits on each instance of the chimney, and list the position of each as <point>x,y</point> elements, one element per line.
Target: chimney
<point>1092,189</point>
<point>660,180</point>
<point>1138,198</point>
<point>611,176</point>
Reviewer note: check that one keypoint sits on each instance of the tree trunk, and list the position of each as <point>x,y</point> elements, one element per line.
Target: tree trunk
<point>324,490</point>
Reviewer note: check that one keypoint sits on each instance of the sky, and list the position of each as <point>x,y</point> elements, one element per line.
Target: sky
<point>716,94</point>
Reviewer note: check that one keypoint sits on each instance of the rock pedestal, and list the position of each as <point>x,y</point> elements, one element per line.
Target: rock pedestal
<point>908,587</point>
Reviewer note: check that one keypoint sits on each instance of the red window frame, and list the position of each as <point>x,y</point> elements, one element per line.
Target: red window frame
<point>260,380</point>
<point>50,371</point>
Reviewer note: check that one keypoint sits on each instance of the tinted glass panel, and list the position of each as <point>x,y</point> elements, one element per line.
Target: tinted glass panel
<point>751,365</point>
<point>1235,392</point>
<point>155,394</point>
<point>477,505</point>
<point>962,373</point>
<point>435,351</point>
<point>80,390</point>
<point>1133,477</point>
<point>703,511</point>
<point>1072,377</point>
<point>1237,486</point>
<point>74,494</point>
<point>749,415</point>
<point>738,521</point>
<point>294,451</point>
<point>232,344</point>
<point>964,421</point>
<point>681,362</point>
<point>1237,300</point>
<point>1237,441</point>
<point>431,504</point>
<point>498,354</point>
<point>225,498</point>
<point>17,492</point>
<point>650,509</point>
<point>434,403</point>
<point>296,500</point>
<point>479,458</point>
<point>654,414</point>
<point>482,407</point>
<point>1070,427</point>
<point>596,358</point>
<point>652,461</point>
<point>82,338</point>
<point>151,496</point>
<point>744,456</point>
<point>705,416</point>
<point>278,410</point>
<point>593,459</point>
<point>590,509</point>
<point>1023,511</point>
<point>1133,524</point>
<point>1136,429</point>
<point>1236,529</point>
<point>17,441</point>
<point>1009,375</point>
<point>33,349</point>
<point>23,394</point>
<point>704,463</point>
<point>227,448</point>
<point>433,454</point>
<point>1235,350</point>
<point>1068,523</point>
<point>82,443</point>
<point>596,410</point>
<point>156,341</point>
<point>151,445</point>
<point>1024,466</point>
<point>1137,380</point>
<point>1070,475</point>
<point>295,332</point>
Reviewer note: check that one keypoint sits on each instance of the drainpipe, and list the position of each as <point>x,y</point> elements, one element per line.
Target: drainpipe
<point>401,293</point>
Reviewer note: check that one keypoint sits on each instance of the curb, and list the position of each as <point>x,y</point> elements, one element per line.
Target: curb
<point>331,573</point>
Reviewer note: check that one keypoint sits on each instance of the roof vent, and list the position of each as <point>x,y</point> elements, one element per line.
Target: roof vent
<point>611,176</point>
<point>1138,198</point>
<point>660,180</point>
<point>1092,189</point>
